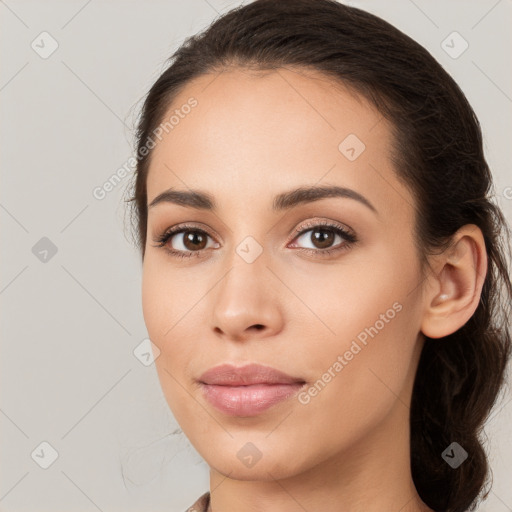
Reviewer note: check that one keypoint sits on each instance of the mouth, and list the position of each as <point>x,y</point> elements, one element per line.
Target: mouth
<point>248,390</point>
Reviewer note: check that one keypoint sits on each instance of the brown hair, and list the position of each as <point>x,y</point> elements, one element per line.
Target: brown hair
<point>437,152</point>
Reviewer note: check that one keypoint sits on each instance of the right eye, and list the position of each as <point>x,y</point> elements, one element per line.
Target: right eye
<point>185,241</point>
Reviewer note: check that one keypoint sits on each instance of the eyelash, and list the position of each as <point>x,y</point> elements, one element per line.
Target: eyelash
<point>349,237</point>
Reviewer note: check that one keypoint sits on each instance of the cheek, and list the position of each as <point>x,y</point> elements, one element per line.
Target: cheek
<point>166,297</point>
<point>161,313</point>
<point>170,302</point>
<point>335,304</point>
<point>154,303</point>
<point>356,384</point>
<point>360,341</point>
<point>163,305</point>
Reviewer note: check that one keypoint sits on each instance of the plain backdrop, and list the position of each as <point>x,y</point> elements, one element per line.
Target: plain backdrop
<point>74,396</point>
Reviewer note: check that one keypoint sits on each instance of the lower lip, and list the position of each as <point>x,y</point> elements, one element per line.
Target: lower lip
<point>248,400</point>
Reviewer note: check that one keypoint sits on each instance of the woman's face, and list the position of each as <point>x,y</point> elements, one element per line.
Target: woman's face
<point>256,284</point>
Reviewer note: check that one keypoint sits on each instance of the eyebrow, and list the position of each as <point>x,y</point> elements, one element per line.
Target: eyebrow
<point>284,201</point>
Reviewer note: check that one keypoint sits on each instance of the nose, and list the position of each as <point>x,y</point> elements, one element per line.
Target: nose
<point>246,304</point>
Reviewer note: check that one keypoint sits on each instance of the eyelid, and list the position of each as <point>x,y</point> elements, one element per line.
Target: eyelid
<point>312,223</point>
<point>186,226</point>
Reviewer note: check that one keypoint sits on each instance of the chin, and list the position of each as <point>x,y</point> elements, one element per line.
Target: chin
<point>266,469</point>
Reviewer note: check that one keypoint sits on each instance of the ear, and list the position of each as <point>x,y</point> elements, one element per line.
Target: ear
<point>456,283</point>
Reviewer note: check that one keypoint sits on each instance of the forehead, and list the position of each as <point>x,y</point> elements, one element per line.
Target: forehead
<point>253,133</point>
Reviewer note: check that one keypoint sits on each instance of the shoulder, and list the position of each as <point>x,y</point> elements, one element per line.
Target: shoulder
<point>201,505</point>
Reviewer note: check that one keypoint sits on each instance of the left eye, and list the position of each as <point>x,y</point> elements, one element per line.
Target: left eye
<point>323,237</point>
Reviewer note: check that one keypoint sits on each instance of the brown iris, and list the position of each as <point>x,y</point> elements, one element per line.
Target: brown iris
<point>323,237</point>
<point>194,240</point>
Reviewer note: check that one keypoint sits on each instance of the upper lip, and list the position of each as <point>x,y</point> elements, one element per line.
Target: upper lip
<point>229,375</point>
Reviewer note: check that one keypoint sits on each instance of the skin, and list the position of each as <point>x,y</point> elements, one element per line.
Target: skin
<point>250,137</point>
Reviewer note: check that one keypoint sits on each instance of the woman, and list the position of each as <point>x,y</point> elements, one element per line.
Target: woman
<point>324,274</point>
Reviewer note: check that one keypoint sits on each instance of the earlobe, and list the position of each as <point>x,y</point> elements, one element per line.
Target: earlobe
<point>456,287</point>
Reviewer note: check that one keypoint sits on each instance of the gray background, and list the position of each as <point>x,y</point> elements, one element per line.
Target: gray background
<point>70,323</point>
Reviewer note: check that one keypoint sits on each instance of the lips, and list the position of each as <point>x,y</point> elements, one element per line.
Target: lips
<point>229,375</point>
<point>247,390</point>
